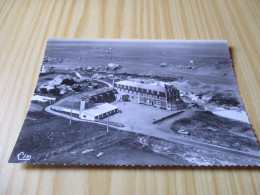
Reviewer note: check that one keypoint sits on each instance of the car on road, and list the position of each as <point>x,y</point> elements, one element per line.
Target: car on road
<point>184,132</point>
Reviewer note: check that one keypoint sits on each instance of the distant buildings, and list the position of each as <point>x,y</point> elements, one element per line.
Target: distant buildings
<point>113,66</point>
<point>45,69</point>
<point>167,97</point>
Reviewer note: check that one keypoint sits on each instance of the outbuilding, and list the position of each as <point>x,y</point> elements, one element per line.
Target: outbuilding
<point>98,112</point>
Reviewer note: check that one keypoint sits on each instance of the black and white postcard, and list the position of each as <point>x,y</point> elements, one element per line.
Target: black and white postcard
<point>137,102</point>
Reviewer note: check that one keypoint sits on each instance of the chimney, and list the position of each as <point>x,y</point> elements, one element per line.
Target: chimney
<point>82,105</point>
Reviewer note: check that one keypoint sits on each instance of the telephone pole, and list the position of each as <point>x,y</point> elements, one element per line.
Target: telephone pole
<point>71,112</point>
<point>108,123</point>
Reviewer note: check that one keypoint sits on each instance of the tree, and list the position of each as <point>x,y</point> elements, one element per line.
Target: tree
<point>55,91</point>
<point>44,91</point>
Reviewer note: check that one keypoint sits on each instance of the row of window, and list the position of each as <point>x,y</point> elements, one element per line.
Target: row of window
<point>142,94</point>
<point>137,89</point>
<point>151,102</point>
<point>157,103</point>
<point>134,90</point>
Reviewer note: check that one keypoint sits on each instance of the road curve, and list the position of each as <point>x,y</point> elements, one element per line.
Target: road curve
<point>171,138</point>
<point>109,85</point>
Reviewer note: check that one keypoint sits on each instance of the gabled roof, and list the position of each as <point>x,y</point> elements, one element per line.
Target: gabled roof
<point>91,93</point>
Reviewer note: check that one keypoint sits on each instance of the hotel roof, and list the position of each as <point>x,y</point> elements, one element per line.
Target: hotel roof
<point>142,85</point>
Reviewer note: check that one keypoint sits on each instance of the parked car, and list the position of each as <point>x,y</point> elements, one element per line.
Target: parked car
<point>184,132</point>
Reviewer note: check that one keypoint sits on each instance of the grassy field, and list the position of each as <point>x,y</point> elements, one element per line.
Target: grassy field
<point>206,127</point>
<point>203,126</point>
<point>50,139</point>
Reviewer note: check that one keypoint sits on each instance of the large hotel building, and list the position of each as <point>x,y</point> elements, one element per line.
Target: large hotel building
<point>167,97</point>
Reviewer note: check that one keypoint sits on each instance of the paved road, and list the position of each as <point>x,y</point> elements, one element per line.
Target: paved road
<point>109,85</point>
<point>169,137</point>
<point>202,145</point>
<point>173,138</point>
<point>210,147</point>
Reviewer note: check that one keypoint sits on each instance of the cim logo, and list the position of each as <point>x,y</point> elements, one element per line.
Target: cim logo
<point>23,156</point>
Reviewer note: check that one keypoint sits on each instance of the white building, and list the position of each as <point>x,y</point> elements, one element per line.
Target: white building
<point>45,69</point>
<point>98,112</point>
<point>91,113</point>
<point>167,97</point>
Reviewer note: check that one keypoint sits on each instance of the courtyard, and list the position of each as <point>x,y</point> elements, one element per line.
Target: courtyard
<point>138,117</point>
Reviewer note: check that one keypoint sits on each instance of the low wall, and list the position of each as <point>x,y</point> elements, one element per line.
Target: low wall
<point>110,123</point>
<point>167,117</point>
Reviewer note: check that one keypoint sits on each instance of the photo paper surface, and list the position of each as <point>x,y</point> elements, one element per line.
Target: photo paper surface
<point>137,102</point>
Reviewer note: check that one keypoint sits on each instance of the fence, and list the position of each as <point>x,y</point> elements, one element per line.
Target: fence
<point>110,123</point>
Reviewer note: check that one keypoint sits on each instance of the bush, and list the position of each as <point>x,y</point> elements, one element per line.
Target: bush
<point>68,82</point>
<point>44,91</point>
<point>55,91</point>
<point>77,89</point>
<point>224,99</point>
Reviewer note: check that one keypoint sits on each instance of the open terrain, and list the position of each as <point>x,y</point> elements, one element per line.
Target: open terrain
<point>202,126</point>
<point>49,139</point>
